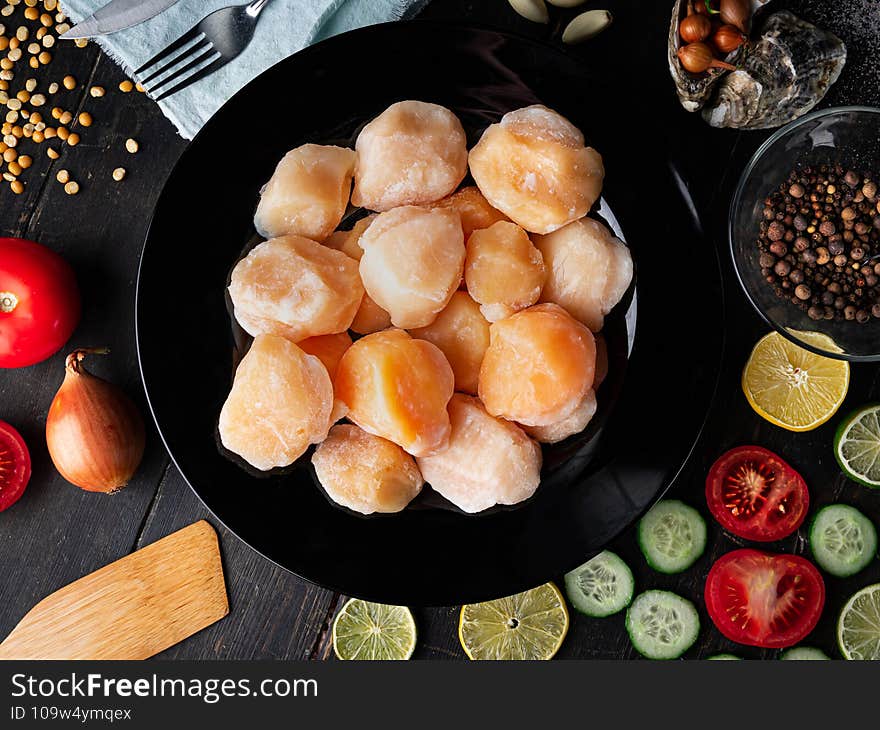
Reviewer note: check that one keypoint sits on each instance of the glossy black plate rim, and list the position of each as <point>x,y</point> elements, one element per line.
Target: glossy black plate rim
<point>462,589</point>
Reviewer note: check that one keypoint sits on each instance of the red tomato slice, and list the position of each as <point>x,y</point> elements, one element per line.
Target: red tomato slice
<point>754,494</point>
<point>39,302</point>
<point>762,599</point>
<point>15,466</point>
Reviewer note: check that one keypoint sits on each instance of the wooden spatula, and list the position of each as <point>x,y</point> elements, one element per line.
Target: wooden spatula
<point>131,609</point>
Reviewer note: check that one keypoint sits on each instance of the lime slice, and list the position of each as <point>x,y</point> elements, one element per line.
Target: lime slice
<point>857,446</point>
<point>373,631</point>
<point>858,628</point>
<point>528,625</point>
<point>723,658</point>
<point>791,387</point>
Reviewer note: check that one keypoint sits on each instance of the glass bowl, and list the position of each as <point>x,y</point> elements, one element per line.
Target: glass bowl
<point>849,136</point>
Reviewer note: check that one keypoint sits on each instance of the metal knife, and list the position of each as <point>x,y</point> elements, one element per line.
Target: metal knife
<point>117,15</point>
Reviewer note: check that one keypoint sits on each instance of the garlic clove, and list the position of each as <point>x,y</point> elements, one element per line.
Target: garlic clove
<point>534,10</point>
<point>566,3</point>
<point>586,25</point>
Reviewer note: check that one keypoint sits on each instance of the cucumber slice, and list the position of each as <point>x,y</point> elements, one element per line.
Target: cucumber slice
<point>662,625</point>
<point>723,657</point>
<point>804,653</point>
<point>672,536</point>
<point>601,586</point>
<point>843,540</point>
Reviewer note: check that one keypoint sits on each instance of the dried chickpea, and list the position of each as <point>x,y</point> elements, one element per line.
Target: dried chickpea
<point>85,119</point>
<point>12,117</point>
<point>14,43</point>
<point>63,133</point>
<point>4,43</point>
<point>132,146</point>
<point>9,154</point>
<point>39,137</point>
<point>140,87</point>
<point>15,168</point>
<point>31,13</point>
<point>53,87</point>
<point>73,139</point>
<point>25,161</point>
<point>52,153</point>
<point>69,82</point>
<point>46,20</point>
<point>41,32</point>
<point>97,91</point>
<point>45,58</point>
<point>14,104</point>
<point>126,86</point>
<point>33,48</point>
<point>51,132</point>
<point>119,174</point>
<point>17,187</point>
<point>22,33</point>
<point>72,188</point>
<point>48,40</point>
<point>30,84</point>
<point>23,96</point>
<point>62,176</point>
<point>38,100</point>
<point>66,117</point>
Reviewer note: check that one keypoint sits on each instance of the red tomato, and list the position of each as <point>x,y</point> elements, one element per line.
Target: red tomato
<point>15,466</point>
<point>754,494</point>
<point>762,599</point>
<point>39,302</point>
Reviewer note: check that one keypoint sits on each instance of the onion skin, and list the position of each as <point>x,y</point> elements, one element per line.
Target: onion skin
<point>736,12</point>
<point>94,432</point>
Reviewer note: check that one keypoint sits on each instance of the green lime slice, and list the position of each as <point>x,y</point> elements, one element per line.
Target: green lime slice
<point>858,628</point>
<point>724,658</point>
<point>374,631</point>
<point>857,446</point>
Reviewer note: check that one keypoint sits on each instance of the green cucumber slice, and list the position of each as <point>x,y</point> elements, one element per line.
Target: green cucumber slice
<point>662,625</point>
<point>843,540</point>
<point>672,536</point>
<point>723,657</point>
<point>601,586</point>
<point>801,653</point>
<point>857,446</point>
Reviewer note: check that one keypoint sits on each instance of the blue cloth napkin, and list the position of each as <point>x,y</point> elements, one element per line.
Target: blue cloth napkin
<point>285,26</point>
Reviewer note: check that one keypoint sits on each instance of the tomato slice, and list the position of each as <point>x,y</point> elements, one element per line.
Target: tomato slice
<point>763,599</point>
<point>756,495</point>
<point>15,466</point>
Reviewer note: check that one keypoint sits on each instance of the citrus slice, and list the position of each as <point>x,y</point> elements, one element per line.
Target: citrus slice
<point>528,625</point>
<point>791,387</point>
<point>857,446</point>
<point>373,631</point>
<point>858,628</point>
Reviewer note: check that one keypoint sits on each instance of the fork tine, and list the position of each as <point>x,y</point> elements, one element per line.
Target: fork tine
<point>209,69</point>
<point>179,43</point>
<point>200,46</point>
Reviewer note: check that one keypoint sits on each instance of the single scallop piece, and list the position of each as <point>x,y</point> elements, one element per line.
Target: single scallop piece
<point>412,263</point>
<point>503,271</point>
<point>412,153</point>
<point>533,167</point>
<point>569,426</point>
<point>539,366</point>
<point>296,288</point>
<point>281,401</point>
<point>601,361</point>
<point>462,333</point>
<point>397,387</point>
<point>488,460</point>
<point>349,241</point>
<point>366,473</point>
<point>588,270</point>
<point>329,349</point>
<point>473,208</point>
<point>307,194</point>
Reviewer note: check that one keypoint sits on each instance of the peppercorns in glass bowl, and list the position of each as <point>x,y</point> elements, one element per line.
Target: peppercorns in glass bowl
<point>804,230</point>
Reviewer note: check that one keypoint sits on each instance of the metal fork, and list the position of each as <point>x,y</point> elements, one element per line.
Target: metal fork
<point>216,39</point>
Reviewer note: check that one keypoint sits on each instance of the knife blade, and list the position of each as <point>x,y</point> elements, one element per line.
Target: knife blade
<point>117,15</point>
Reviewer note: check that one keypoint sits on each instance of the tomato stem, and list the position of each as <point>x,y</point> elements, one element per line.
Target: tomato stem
<point>8,301</point>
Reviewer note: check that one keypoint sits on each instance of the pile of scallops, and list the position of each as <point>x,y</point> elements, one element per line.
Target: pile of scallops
<point>474,310</point>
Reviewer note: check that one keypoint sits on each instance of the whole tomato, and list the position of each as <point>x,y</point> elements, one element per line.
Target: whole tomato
<point>39,302</point>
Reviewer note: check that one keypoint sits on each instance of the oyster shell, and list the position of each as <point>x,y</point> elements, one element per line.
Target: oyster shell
<point>784,75</point>
<point>695,89</point>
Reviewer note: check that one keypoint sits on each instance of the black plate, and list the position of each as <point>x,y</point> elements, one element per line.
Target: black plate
<point>594,487</point>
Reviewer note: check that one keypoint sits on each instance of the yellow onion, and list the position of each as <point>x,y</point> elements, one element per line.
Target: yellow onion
<point>94,432</point>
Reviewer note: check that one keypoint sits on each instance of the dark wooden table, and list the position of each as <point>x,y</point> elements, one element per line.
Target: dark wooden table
<point>57,533</point>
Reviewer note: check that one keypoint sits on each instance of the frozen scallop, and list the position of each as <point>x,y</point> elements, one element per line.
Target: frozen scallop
<point>473,208</point>
<point>503,271</point>
<point>488,460</point>
<point>307,194</point>
<point>349,241</point>
<point>412,153</point>
<point>397,387</point>
<point>329,349</point>
<point>280,403</point>
<point>366,473</point>
<point>588,270</point>
<point>569,426</point>
<point>539,366</point>
<point>296,288</point>
<point>533,167</point>
<point>462,333</point>
<point>413,262</point>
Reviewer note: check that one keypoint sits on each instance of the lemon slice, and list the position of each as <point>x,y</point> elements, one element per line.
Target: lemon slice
<point>791,387</point>
<point>373,631</point>
<point>858,628</point>
<point>528,625</point>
